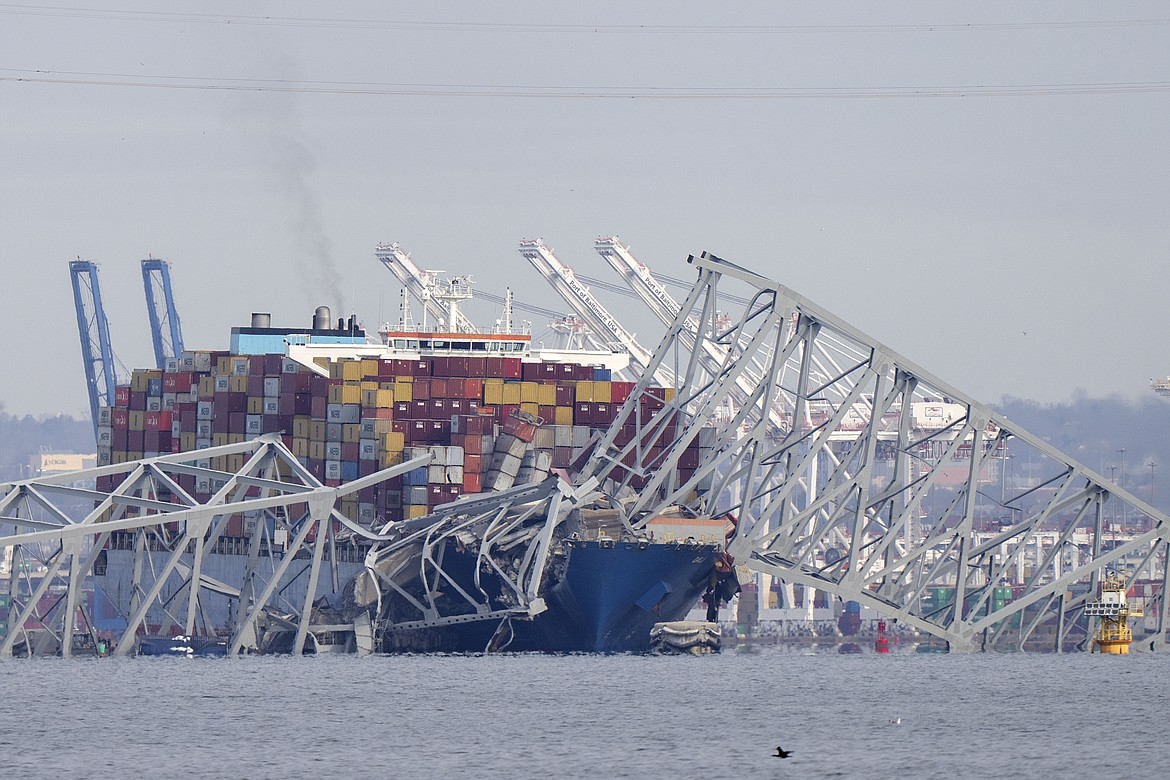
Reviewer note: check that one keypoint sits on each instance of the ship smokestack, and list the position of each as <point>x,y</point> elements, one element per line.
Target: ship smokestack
<point>322,319</point>
<point>261,319</point>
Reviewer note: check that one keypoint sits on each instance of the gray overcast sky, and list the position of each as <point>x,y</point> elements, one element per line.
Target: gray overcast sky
<point>1012,245</point>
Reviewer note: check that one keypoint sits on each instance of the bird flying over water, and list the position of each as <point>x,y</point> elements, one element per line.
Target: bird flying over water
<point>782,753</point>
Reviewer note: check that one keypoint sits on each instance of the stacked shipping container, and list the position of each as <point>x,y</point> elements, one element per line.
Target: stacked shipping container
<point>487,422</point>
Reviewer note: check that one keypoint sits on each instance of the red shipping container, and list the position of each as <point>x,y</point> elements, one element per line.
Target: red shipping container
<point>495,367</point>
<point>272,364</point>
<point>455,406</point>
<point>437,408</point>
<point>439,387</point>
<point>230,402</point>
<point>547,413</point>
<point>602,414</point>
<point>472,462</point>
<point>421,390</point>
<point>472,482</point>
<point>120,439</point>
<point>440,431</point>
<point>319,385</point>
<point>350,450</point>
<point>120,418</point>
<point>365,469</point>
<point>472,388</point>
<point>122,396</point>
<point>566,394</point>
<point>562,457</point>
<point>457,366</point>
<point>134,441</point>
<point>477,367</point>
<point>378,413</point>
<point>619,391</point>
<point>512,368</point>
<point>237,422</point>
<point>256,365</point>
<point>440,366</point>
<point>419,410</point>
<point>137,401</point>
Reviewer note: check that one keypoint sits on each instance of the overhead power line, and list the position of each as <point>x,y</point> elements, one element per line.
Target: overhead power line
<point>31,76</point>
<point>187,17</point>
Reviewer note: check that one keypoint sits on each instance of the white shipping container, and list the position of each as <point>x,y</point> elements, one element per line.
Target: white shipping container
<point>105,435</point>
<point>562,435</point>
<point>253,423</point>
<point>171,365</point>
<point>105,417</point>
<point>333,431</point>
<point>272,387</point>
<point>368,449</point>
<point>222,383</point>
<point>168,401</point>
<point>454,475</point>
<point>416,494</point>
<point>436,475</point>
<point>153,404</point>
<point>203,444</point>
<point>545,438</point>
<point>104,458</point>
<point>581,435</point>
<point>454,456</point>
<point>288,366</point>
<point>369,431</point>
<point>332,469</point>
<point>176,428</point>
<point>204,410</point>
<point>203,429</point>
<point>439,456</point>
<point>333,451</point>
<point>543,461</point>
<point>271,406</point>
<point>706,438</point>
<point>202,361</point>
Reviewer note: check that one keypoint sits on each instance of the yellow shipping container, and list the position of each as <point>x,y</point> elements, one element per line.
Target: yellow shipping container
<point>531,408</point>
<point>236,438</point>
<point>137,421</point>
<point>351,370</point>
<point>388,459</point>
<point>350,394</point>
<point>411,511</point>
<point>240,365</point>
<point>206,388</point>
<point>235,462</point>
<point>602,392</point>
<point>301,426</point>
<point>317,450</point>
<point>219,462</point>
<point>512,393</point>
<point>351,432</point>
<point>404,390</point>
<point>117,456</point>
<point>237,384</point>
<point>493,394</point>
<point>223,365</point>
<point>255,404</point>
<point>381,426</point>
<point>584,392</point>
<point>219,439</point>
<point>528,394</point>
<point>546,395</point>
<point>369,368</point>
<point>563,415</point>
<point>393,441</point>
<point>317,430</point>
<point>335,394</point>
<point>186,441</point>
<point>368,384</point>
<point>300,447</point>
<point>668,392</point>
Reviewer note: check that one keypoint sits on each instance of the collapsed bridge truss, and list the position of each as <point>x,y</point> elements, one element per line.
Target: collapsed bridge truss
<point>885,486</point>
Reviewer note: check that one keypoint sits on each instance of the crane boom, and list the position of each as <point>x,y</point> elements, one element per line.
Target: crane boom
<point>97,353</point>
<point>421,284</point>
<point>604,325</point>
<point>166,332</point>
<point>711,357</point>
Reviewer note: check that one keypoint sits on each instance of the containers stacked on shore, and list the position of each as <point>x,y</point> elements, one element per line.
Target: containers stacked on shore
<point>488,423</point>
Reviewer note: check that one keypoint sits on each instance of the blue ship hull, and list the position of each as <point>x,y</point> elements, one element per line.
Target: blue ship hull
<point>606,600</point>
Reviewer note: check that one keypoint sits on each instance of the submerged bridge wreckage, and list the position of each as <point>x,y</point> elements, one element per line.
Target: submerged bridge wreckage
<point>842,467</point>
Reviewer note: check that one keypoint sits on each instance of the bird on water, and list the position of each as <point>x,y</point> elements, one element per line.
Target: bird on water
<point>782,753</point>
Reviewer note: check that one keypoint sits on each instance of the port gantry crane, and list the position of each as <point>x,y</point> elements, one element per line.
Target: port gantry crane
<point>166,332</point>
<point>1052,549</point>
<point>602,324</point>
<point>97,352</point>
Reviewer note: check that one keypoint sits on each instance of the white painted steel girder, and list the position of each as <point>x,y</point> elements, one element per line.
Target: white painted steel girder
<point>889,487</point>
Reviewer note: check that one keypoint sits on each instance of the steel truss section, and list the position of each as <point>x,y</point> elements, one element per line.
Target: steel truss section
<point>512,535</point>
<point>888,487</point>
<point>58,533</point>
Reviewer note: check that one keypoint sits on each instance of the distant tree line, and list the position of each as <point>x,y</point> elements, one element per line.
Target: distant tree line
<point>23,437</point>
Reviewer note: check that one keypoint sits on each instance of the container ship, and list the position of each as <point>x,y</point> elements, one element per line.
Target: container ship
<point>490,411</point>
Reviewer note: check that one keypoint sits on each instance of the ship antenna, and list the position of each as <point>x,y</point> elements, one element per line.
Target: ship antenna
<point>508,311</point>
